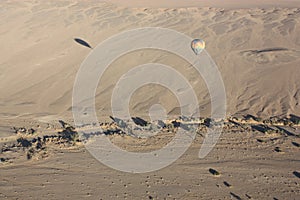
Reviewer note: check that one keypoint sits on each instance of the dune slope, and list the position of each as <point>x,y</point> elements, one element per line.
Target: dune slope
<point>257,51</point>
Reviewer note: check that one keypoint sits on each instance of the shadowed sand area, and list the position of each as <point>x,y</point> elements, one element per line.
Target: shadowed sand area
<point>256,46</point>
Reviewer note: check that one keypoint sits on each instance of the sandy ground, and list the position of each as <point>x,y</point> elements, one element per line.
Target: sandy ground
<point>255,45</point>
<point>229,4</point>
<point>256,50</point>
<point>251,164</point>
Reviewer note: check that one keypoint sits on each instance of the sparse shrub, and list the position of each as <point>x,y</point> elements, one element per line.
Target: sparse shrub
<point>24,142</point>
<point>30,153</point>
<point>70,135</point>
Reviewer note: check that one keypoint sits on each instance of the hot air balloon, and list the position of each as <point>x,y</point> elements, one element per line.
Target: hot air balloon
<point>198,45</point>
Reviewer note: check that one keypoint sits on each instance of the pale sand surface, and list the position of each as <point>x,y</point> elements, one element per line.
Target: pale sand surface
<point>39,58</point>
<point>255,45</point>
<point>228,4</point>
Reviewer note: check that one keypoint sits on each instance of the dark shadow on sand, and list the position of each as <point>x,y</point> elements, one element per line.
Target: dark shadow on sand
<point>295,119</point>
<point>82,42</point>
<point>296,144</point>
<point>251,117</point>
<point>213,172</point>
<point>285,131</point>
<point>139,121</point>
<point>267,50</point>
<point>261,128</point>
<point>297,174</point>
<point>235,196</point>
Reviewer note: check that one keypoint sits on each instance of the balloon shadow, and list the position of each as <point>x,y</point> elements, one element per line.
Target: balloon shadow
<point>82,42</point>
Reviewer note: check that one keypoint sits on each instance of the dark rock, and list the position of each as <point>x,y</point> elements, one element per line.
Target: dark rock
<point>39,145</point>
<point>235,196</point>
<point>2,160</point>
<point>21,130</point>
<point>30,131</point>
<point>226,184</point>
<point>277,149</point>
<point>30,153</point>
<point>214,172</point>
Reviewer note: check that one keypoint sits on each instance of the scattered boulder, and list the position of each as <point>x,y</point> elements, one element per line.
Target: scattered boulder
<point>38,143</point>
<point>30,131</point>
<point>23,130</point>
<point>214,172</point>
<point>30,153</point>
<point>226,184</point>
<point>235,196</point>
<point>277,149</point>
<point>3,160</point>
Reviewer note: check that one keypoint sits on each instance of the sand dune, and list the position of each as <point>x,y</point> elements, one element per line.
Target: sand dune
<point>257,51</point>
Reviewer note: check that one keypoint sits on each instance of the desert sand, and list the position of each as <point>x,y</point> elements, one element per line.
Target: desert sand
<point>256,47</point>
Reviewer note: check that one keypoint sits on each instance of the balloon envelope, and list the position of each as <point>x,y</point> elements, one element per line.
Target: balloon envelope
<point>198,45</point>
